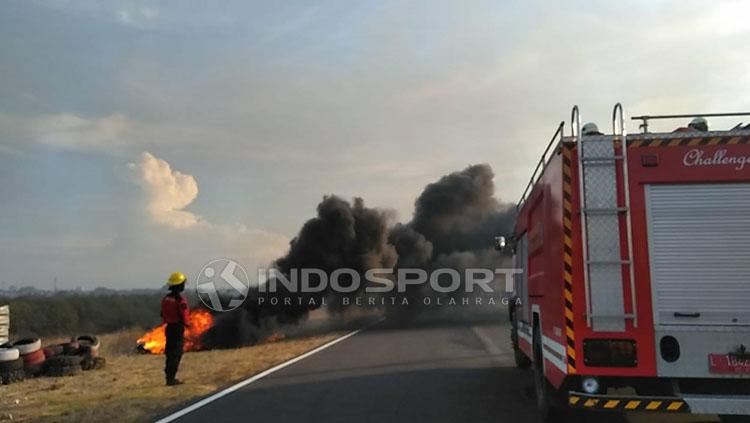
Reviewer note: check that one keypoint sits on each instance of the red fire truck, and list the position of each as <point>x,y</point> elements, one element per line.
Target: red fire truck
<point>635,291</point>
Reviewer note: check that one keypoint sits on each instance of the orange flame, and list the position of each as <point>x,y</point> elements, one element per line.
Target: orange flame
<point>155,341</point>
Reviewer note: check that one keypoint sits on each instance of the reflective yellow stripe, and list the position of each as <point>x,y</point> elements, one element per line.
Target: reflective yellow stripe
<point>653,405</point>
<point>569,332</point>
<point>590,403</point>
<point>568,315</point>
<point>636,143</point>
<point>714,141</point>
<point>632,405</point>
<point>694,141</point>
<point>574,400</point>
<point>571,353</point>
<point>733,141</point>
<point>611,403</point>
<point>674,406</point>
<point>675,142</point>
<point>571,369</point>
<point>568,295</point>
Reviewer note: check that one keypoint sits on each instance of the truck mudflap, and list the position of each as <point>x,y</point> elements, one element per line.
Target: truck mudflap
<point>697,404</point>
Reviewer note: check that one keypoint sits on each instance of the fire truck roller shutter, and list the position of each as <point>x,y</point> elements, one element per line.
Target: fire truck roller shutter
<point>699,245</point>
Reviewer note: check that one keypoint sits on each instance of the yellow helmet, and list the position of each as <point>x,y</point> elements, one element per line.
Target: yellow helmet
<point>176,278</point>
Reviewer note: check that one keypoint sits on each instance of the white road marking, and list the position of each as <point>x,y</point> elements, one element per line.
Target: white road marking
<point>176,415</point>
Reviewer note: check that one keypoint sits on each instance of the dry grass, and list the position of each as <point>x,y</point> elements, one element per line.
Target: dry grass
<point>131,387</point>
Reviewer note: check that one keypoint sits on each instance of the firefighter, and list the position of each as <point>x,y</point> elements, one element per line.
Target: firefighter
<point>698,124</point>
<point>590,129</point>
<point>174,312</point>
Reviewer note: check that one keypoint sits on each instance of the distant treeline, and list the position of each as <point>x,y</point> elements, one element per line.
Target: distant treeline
<point>68,315</point>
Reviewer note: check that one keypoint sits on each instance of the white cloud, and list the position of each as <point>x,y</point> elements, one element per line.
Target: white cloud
<point>73,132</point>
<point>167,191</point>
<point>67,131</point>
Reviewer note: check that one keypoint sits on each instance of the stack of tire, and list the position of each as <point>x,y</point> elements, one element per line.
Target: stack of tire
<point>26,357</point>
<point>11,364</point>
<point>63,360</point>
<point>33,357</point>
<point>70,358</point>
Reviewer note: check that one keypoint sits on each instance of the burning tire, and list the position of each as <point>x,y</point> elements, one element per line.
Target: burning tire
<point>63,365</point>
<point>11,371</point>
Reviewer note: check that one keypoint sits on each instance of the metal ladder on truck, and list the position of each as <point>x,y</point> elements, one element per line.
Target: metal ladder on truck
<point>601,158</point>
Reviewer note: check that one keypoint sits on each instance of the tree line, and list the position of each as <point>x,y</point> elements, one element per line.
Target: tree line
<point>68,315</point>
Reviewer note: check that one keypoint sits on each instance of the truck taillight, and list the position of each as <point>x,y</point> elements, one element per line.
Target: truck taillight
<point>610,353</point>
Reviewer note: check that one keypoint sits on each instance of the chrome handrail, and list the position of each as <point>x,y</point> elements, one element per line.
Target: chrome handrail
<point>621,121</point>
<point>542,163</point>
<point>575,122</point>
<point>645,118</point>
<point>628,219</point>
<point>575,114</point>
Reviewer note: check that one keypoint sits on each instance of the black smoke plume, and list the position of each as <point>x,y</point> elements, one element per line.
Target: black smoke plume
<point>454,224</point>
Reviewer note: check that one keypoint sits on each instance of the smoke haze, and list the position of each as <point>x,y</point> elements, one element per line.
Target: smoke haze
<point>454,224</point>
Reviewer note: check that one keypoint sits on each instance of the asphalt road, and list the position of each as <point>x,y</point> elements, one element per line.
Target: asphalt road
<point>432,371</point>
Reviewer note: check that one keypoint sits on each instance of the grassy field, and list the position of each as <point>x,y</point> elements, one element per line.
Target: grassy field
<point>131,386</point>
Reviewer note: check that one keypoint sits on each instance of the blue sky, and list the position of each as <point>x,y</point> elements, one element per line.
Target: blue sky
<point>140,137</point>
